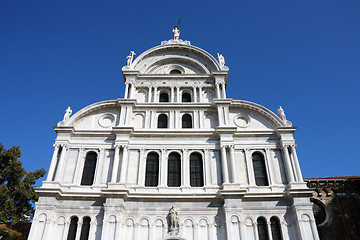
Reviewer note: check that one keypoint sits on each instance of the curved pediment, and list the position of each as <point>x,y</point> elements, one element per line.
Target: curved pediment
<point>185,58</point>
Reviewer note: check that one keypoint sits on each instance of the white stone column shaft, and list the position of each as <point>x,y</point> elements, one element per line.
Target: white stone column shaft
<point>201,118</point>
<point>226,115</point>
<point>297,165</point>
<point>172,94</point>
<point>200,94</point>
<point>124,164</point>
<point>223,91</point>
<point>218,90</point>
<point>156,99</point>
<point>186,168</point>
<point>268,225</point>
<point>269,163</point>
<point>250,168</point>
<point>128,115</point>
<point>163,168</point>
<point>115,168</point>
<point>80,162</point>
<point>149,94</point>
<point>178,94</point>
<point>207,166</point>
<point>142,168</point>
<point>220,116</point>
<point>99,167</point>
<point>126,91</point>
<point>287,162</point>
<point>132,91</point>
<point>234,176</point>
<point>61,168</point>
<point>224,165</point>
<point>194,94</point>
<point>196,119</point>
<point>53,163</point>
<point>122,115</point>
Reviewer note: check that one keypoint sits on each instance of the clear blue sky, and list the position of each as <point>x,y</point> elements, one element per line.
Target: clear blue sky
<point>303,55</point>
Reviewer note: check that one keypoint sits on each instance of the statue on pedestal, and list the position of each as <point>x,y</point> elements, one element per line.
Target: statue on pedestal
<point>221,60</point>
<point>176,32</point>
<point>129,58</point>
<point>67,114</point>
<point>173,221</point>
<point>282,115</point>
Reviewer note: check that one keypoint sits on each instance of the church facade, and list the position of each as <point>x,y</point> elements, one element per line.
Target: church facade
<point>174,159</point>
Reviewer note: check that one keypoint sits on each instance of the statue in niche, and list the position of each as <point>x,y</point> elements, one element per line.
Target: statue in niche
<point>176,32</point>
<point>67,114</point>
<point>221,60</point>
<point>173,221</point>
<point>129,58</point>
<point>281,112</point>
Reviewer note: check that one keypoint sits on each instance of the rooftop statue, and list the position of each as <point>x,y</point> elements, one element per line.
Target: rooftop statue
<point>281,112</point>
<point>67,114</point>
<point>129,58</point>
<point>176,32</point>
<point>221,60</point>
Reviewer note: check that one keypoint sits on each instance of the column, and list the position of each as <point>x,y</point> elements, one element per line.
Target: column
<point>268,225</point>
<point>122,115</point>
<point>242,230</point>
<point>223,90</point>
<point>79,166</point>
<point>78,230</point>
<point>61,165</point>
<point>105,169</point>
<point>99,167</point>
<point>126,91</point>
<point>226,115</point>
<point>207,165</point>
<point>269,163</point>
<point>250,168</point>
<point>287,164</point>
<point>221,116</point>
<point>178,94</point>
<point>177,119</point>
<point>218,90</point>
<point>156,95</point>
<point>153,119</point>
<point>163,168</point>
<point>171,119</point>
<point>201,118</point>
<point>128,115</point>
<point>200,94</point>
<point>196,119</point>
<point>147,119</point>
<point>54,161</point>
<point>124,164</point>
<point>142,168</point>
<point>172,94</point>
<point>149,94</point>
<point>296,162</point>
<point>234,177</point>
<point>224,165</point>
<point>194,94</point>
<point>185,171</point>
<point>115,164</point>
<point>132,91</point>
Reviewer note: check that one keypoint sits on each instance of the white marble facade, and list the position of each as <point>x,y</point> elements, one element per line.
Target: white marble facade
<point>115,200</point>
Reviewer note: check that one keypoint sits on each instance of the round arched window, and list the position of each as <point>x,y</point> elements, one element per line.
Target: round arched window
<point>320,213</point>
<point>175,71</point>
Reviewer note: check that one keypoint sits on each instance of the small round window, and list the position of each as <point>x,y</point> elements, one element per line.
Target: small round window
<point>320,213</point>
<point>175,71</point>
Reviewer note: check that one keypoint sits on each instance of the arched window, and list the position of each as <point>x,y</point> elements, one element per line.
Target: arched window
<point>164,97</point>
<point>174,170</point>
<point>175,71</point>
<point>89,169</point>
<point>196,170</point>
<point>72,228</point>
<point>275,228</point>
<point>259,169</point>
<point>85,228</point>
<point>162,121</point>
<point>186,121</point>
<point>262,229</point>
<point>186,97</point>
<point>152,170</point>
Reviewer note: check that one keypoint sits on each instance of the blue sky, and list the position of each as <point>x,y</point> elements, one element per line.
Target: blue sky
<point>303,55</point>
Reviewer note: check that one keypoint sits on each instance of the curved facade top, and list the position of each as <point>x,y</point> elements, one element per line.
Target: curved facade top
<point>175,158</point>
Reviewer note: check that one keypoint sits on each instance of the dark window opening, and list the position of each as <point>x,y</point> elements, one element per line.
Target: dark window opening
<point>162,121</point>
<point>164,97</point>
<point>186,121</point>
<point>262,229</point>
<point>174,170</point>
<point>259,169</point>
<point>72,228</point>
<point>186,97</point>
<point>85,228</point>
<point>196,170</point>
<point>175,71</point>
<point>89,169</point>
<point>152,170</point>
<point>275,228</point>
<point>319,212</point>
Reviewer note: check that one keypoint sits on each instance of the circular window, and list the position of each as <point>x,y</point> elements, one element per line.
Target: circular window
<point>107,120</point>
<point>242,120</point>
<point>320,212</point>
